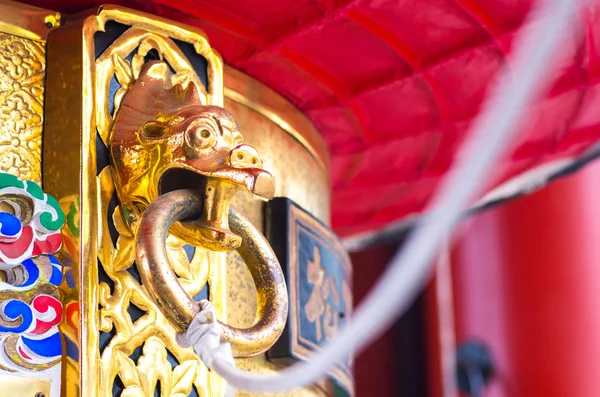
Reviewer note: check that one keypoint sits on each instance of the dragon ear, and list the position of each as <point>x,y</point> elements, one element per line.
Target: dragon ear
<point>154,130</point>
<point>192,96</point>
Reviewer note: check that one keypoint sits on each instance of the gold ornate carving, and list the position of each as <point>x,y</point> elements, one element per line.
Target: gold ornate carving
<point>161,124</point>
<point>112,62</point>
<point>152,332</point>
<point>21,106</point>
<point>125,341</point>
<point>75,120</point>
<point>162,128</point>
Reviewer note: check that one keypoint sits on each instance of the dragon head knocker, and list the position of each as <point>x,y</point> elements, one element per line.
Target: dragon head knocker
<point>163,138</point>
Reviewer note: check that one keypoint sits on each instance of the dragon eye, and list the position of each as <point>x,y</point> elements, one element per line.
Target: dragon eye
<point>201,135</point>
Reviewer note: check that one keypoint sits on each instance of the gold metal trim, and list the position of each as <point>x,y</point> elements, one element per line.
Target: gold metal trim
<point>243,89</point>
<point>162,283</point>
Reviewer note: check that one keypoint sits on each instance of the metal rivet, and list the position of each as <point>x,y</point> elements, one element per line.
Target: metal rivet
<point>40,394</point>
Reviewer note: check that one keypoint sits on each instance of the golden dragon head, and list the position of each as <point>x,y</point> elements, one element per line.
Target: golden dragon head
<point>163,138</point>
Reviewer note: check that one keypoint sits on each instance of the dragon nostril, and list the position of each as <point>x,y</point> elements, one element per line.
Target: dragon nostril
<point>245,156</point>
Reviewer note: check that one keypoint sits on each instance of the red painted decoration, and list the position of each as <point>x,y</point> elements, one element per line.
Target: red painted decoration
<point>16,249</point>
<point>23,354</point>
<point>42,304</point>
<point>48,246</point>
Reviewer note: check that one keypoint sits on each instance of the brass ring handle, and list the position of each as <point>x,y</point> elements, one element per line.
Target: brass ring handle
<point>162,283</point>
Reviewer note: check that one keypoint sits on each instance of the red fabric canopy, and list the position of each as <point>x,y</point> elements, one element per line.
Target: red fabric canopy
<point>393,85</point>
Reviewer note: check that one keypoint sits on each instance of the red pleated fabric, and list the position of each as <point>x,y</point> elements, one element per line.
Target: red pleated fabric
<point>393,85</point>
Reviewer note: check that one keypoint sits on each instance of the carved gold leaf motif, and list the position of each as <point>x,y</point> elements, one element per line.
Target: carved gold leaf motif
<point>152,331</point>
<point>138,349</point>
<point>21,106</point>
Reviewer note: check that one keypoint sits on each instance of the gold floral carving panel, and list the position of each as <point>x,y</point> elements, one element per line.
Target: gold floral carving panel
<point>136,339</point>
<point>138,350</point>
<point>124,344</point>
<point>21,106</point>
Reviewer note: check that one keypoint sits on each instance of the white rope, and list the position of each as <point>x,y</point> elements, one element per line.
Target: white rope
<point>411,266</point>
<point>205,335</point>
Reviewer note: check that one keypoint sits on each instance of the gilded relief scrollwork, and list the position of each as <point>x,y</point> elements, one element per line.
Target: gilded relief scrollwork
<point>138,350</point>
<point>145,327</point>
<point>21,105</point>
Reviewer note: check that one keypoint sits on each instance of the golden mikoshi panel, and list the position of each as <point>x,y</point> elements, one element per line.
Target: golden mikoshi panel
<point>72,109</point>
<point>77,83</point>
<point>136,351</point>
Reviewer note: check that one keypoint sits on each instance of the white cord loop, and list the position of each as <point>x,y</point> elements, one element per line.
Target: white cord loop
<point>204,334</point>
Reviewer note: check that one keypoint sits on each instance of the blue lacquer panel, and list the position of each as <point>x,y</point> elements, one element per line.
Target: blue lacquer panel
<point>318,274</point>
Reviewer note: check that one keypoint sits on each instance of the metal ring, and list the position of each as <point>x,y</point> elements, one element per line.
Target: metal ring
<point>161,282</point>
